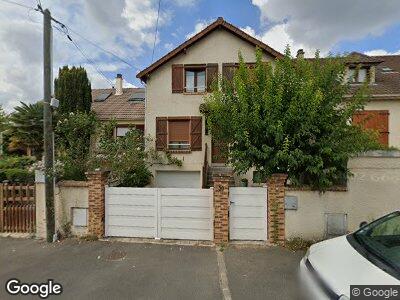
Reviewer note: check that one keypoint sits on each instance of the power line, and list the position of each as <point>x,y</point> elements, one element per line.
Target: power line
<point>19,4</point>
<point>89,60</point>
<point>155,35</point>
<point>101,48</point>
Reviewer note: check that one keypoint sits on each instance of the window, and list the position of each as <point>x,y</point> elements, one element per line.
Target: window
<point>195,79</point>
<point>362,75</point>
<point>123,130</point>
<point>179,134</point>
<point>357,75</point>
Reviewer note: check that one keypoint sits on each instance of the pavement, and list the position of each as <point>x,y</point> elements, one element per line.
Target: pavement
<point>118,270</point>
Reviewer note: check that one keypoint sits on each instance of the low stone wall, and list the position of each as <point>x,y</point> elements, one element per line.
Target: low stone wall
<point>372,192</point>
<point>69,195</point>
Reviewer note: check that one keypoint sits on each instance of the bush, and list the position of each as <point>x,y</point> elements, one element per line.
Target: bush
<point>19,175</point>
<point>138,177</point>
<point>16,162</point>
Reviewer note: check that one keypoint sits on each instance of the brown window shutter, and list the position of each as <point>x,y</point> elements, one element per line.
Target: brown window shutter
<point>177,78</point>
<point>228,71</point>
<point>212,75</point>
<point>178,131</point>
<point>377,120</point>
<point>161,133</point>
<point>196,133</point>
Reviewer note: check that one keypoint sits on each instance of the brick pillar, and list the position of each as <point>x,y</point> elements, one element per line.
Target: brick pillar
<point>221,209</point>
<point>96,182</point>
<point>276,208</point>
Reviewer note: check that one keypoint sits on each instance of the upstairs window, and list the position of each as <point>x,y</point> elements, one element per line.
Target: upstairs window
<point>357,75</point>
<point>195,79</point>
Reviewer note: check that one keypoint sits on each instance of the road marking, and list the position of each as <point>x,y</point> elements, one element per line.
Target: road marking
<point>223,277</point>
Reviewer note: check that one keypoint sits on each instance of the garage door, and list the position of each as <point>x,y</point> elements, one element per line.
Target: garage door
<point>178,179</point>
<point>248,213</point>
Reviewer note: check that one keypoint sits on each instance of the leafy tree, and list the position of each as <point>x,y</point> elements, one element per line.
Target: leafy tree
<point>73,89</point>
<point>126,157</point>
<point>26,128</point>
<point>3,127</point>
<point>290,116</point>
<point>73,138</point>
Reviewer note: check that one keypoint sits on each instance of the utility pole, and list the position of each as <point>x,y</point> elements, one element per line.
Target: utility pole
<point>48,125</point>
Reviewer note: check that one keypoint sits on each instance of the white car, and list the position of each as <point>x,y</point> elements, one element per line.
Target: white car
<point>369,256</point>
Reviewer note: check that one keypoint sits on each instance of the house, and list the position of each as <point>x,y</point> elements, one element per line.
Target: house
<point>175,87</point>
<point>177,83</point>
<point>382,112</point>
<point>124,105</point>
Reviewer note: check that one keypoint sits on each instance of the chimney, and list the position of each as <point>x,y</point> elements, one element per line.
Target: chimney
<point>300,53</point>
<point>118,85</point>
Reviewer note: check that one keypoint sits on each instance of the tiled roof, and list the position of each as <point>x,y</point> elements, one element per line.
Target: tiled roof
<point>219,23</point>
<point>387,77</point>
<point>118,107</point>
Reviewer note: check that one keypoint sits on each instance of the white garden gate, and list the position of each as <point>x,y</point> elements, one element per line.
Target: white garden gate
<point>248,213</point>
<point>169,213</point>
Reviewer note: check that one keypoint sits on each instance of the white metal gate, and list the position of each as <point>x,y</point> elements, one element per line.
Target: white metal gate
<point>169,213</point>
<point>248,213</point>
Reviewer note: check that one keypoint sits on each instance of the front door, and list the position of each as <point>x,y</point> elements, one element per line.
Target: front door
<point>217,152</point>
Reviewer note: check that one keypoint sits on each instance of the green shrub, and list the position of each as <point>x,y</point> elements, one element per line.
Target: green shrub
<point>16,162</point>
<point>19,175</point>
<point>138,177</point>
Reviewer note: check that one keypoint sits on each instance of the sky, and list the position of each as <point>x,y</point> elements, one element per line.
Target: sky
<point>127,28</point>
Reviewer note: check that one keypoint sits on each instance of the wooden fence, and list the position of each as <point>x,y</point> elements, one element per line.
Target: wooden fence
<point>17,208</point>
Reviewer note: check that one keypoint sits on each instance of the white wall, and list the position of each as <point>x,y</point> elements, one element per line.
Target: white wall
<point>373,192</point>
<point>68,194</point>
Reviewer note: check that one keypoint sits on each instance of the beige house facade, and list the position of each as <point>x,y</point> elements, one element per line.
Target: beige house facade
<point>216,48</point>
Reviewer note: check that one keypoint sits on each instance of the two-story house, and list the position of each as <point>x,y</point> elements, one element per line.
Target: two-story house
<point>175,87</point>
<point>177,83</point>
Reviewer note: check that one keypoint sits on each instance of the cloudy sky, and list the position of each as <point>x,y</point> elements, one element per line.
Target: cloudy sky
<point>127,27</point>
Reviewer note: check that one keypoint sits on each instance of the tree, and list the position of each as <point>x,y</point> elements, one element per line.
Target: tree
<point>26,128</point>
<point>290,116</point>
<point>73,137</point>
<point>3,128</point>
<point>127,158</point>
<point>73,89</point>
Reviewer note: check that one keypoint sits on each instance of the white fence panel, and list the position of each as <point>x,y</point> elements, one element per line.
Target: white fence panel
<point>186,213</point>
<point>131,212</point>
<point>248,213</point>
<point>169,213</point>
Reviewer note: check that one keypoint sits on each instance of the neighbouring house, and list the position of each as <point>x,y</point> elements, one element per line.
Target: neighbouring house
<point>124,105</point>
<point>382,112</point>
<point>176,84</point>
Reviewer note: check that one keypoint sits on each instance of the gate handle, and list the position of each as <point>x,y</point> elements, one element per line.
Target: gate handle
<point>232,202</point>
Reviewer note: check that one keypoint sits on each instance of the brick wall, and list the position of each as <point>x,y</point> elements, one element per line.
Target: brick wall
<point>276,208</point>
<point>96,183</point>
<point>221,209</point>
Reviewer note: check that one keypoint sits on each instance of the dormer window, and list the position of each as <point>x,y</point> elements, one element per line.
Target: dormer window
<point>357,75</point>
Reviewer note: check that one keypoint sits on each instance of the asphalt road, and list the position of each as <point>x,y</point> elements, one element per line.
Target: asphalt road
<point>115,270</point>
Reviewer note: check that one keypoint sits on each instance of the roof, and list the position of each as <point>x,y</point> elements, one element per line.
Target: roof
<point>359,58</point>
<point>219,23</point>
<point>119,107</point>
<point>387,77</point>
